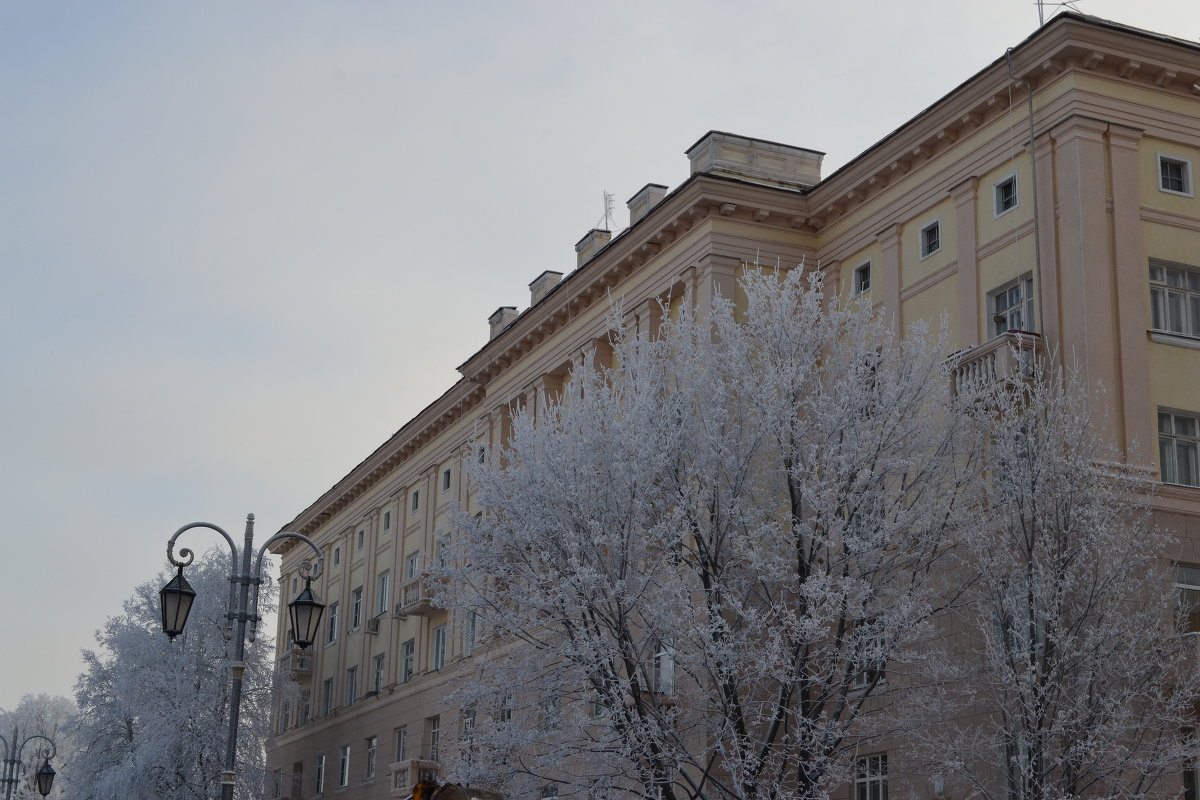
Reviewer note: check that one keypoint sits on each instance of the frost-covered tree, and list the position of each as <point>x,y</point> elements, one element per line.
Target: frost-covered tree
<point>693,569</point>
<point>46,715</point>
<point>154,713</point>
<point>1074,684</point>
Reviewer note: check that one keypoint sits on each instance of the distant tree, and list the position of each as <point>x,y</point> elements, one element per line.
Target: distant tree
<point>153,713</point>
<point>694,569</point>
<point>47,715</point>
<point>1074,682</point>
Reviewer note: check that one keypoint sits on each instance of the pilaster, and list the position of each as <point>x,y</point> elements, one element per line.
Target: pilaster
<point>965,196</point>
<point>889,274</point>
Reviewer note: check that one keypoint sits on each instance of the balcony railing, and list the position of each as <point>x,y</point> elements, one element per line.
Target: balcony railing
<point>296,665</point>
<point>406,775</point>
<point>1009,357</point>
<point>416,596</point>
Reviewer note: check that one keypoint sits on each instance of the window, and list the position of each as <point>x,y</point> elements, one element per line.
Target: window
<point>337,556</point>
<point>344,766</point>
<point>1012,306</point>
<point>869,660</point>
<point>1177,445</point>
<point>433,730</point>
<point>356,608</point>
<point>372,741</point>
<point>305,706</point>
<point>662,669</point>
<point>377,673</point>
<point>1174,175</point>
<point>1005,194</point>
<point>295,585</point>
<point>362,537</point>
<point>412,565</point>
<point>414,499</point>
<point>931,238</point>
<point>382,599</point>
<point>504,715</point>
<point>437,650</point>
<point>331,624</point>
<point>285,716</point>
<point>470,631</point>
<point>446,479</point>
<point>870,778</point>
<point>1175,299</point>
<point>387,520</point>
<point>862,278</point>
<point>401,744</point>
<point>319,774</point>
<point>351,685</point>
<point>408,652</point>
<point>468,722</point>
<point>1187,598</point>
<point>327,696</point>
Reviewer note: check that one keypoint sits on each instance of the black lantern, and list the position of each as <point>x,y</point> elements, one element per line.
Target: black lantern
<point>176,601</point>
<point>305,614</point>
<point>45,778</point>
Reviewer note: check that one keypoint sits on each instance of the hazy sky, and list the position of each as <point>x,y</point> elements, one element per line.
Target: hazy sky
<point>242,243</point>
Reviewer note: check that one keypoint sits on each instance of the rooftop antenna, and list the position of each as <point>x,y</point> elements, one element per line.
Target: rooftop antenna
<point>1067,4</point>
<point>606,221</point>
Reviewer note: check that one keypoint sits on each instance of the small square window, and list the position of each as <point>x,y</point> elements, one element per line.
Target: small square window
<point>931,238</point>
<point>862,278</point>
<point>446,480</point>
<point>1006,195</point>
<point>1174,175</point>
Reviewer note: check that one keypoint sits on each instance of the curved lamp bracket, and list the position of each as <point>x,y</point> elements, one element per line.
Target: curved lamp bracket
<point>310,570</point>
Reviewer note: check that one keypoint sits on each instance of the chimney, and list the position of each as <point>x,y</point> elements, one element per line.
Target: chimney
<point>647,198</point>
<point>590,244</point>
<point>542,285</point>
<point>755,160</point>
<point>500,319</point>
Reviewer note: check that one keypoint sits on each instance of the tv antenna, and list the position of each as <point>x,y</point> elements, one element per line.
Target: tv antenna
<point>606,221</point>
<point>1067,4</point>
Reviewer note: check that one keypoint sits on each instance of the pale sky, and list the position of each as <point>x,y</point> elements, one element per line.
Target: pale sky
<point>243,243</point>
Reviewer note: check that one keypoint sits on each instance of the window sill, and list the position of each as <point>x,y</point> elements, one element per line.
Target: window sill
<point>1177,339</point>
<point>1175,192</point>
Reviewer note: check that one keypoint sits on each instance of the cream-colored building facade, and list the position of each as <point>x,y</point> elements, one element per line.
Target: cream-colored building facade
<point>1089,250</point>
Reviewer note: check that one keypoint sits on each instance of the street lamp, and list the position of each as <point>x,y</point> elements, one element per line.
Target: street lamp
<point>176,601</point>
<point>12,764</point>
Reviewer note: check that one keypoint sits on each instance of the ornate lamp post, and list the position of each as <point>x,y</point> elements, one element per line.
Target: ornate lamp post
<point>44,777</point>
<point>304,612</point>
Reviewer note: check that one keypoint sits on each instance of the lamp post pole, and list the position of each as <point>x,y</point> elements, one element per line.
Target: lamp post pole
<point>12,763</point>
<point>304,611</point>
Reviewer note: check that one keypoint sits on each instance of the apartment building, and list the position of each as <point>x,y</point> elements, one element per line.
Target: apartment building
<point>1086,245</point>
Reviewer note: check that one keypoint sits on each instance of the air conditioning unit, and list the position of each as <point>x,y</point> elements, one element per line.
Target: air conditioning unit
<point>373,625</point>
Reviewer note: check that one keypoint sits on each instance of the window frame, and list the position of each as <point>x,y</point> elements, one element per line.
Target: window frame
<point>871,777</point>
<point>343,766</point>
<point>383,591</point>
<point>1026,305</point>
<point>437,647</point>
<point>408,659</point>
<point>356,602</point>
<point>998,197</point>
<point>319,774</point>
<point>1162,292</point>
<point>1180,583</point>
<point>331,624</point>
<point>447,479</point>
<point>923,240</point>
<point>371,744</point>
<point>327,690</point>
<point>414,500</point>
<point>400,743</point>
<point>1167,159</point>
<point>861,279</point>
<point>387,521</point>
<point>351,685</point>
<point>1169,467</point>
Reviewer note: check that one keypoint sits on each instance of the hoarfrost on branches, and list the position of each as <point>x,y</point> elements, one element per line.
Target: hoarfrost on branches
<point>43,715</point>
<point>154,713</point>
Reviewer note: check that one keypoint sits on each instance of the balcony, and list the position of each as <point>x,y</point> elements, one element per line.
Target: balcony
<point>407,774</point>
<point>1008,358</point>
<point>296,665</point>
<point>416,597</point>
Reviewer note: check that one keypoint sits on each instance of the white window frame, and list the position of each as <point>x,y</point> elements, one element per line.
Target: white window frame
<point>861,279</point>
<point>1174,446</point>
<point>1174,307</point>
<point>356,601</point>
<point>327,696</point>
<point>922,239</point>
<point>351,685</point>
<point>1166,158</point>
<point>1025,305</point>
<point>433,726</point>
<point>412,565</point>
<point>372,744</point>
<point>337,555</point>
<point>377,669</point>
<point>408,660</point>
<point>998,195</point>
<point>331,624</point>
<point>870,777</point>
<point>1186,579</point>
<point>343,766</point>
<point>383,592</point>
<point>437,647</point>
<point>401,743</point>
<point>319,774</point>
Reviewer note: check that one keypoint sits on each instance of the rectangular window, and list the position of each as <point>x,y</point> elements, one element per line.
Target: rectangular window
<point>401,744</point>
<point>1174,175</point>
<point>446,480</point>
<point>377,673</point>
<point>869,660</point>
<point>344,766</point>
<point>356,608</point>
<point>1012,306</point>
<point>362,537</point>
<point>412,566</point>
<point>319,774</point>
<point>470,631</point>
<point>662,669</point>
<point>433,731</point>
<point>1178,442</point>
<point>331,624</point>
<point>931,238</point>
<point>504,715</point>
<point>387,520</point>
<point>305,706</point>
<point>327,696</point>
<point>337,556</point>
<point>372,741</point>
<point>295,585</point>
<point>862,278</point>
<point>468,722</point>
<point>1175,299</point>
<point>870,778</point>
<point>437,649</point>
<point>408,652</point>
<point>1005,194</point>
<point>351,685</point>
<point>382,592</point>
<point>1187,598</point>
<point>414,499</point>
